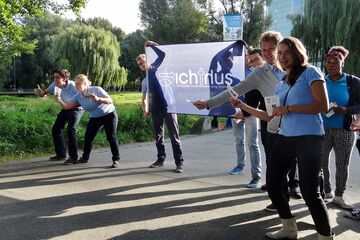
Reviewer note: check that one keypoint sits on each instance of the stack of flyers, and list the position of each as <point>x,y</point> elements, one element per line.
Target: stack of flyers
<point>331,111</point>
<point>271,102</point>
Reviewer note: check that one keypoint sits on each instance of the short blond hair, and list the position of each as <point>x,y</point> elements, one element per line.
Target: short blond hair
<point>141,56</point>
<point>82,78</point>
<point>271,36</point>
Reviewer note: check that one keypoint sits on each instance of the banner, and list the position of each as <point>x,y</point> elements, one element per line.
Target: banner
<point>190,72</point>
<point>232,27</point>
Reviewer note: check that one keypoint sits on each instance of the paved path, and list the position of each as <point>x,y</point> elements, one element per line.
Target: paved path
<point>40,199</point>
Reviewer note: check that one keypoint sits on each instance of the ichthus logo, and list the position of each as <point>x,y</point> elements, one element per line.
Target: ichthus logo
<point>194,79</point>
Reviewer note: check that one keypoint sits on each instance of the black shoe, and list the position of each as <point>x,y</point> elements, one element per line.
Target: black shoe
<point>295,193</point>
<point>156,164</point>
<point>179,169</point>
<point>70,161</point>
<point>83,160</point>
<point>271,208</point>
<point>263,187</point>
<point>57,158</point>
<point>115,164</point>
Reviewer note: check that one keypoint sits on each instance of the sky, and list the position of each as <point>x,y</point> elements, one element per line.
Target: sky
<point>121,13</point>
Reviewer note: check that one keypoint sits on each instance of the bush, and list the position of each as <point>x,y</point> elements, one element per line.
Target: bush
<point>26,125</point>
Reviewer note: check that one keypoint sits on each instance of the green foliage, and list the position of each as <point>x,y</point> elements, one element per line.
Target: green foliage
<point>132,46</point>
<point>94,52</point>
<point>255,19</point>
<point>322,27</point>
<point>102,23</point>
<point>38,68</point>
<point>256,22</point>
<point>173,21</point>
<point>13,31</point>
<point>27,122</point>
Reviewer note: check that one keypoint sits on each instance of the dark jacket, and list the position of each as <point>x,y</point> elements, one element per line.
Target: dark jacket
<point>353,107</point>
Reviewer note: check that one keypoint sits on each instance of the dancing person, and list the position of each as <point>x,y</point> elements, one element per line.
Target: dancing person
<point>102,113</point>
<point>71,117</point>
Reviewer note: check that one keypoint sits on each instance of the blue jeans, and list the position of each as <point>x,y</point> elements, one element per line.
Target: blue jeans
<point>71,118</point>
<point>248,128</point>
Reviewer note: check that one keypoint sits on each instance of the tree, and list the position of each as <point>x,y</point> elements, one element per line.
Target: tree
<point>13,30</point>
<point>105,24</point>
<point>94,52</point>
<point>322,27</point>
<point>253,11</point>
<point>132,46</point>
<point>176,21</point>
<point>32,69</point>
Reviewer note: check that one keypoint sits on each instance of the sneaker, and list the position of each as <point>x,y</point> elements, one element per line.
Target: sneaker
<point>263,187</point>
<point>57,158</point>
<point>179,169</point>
<point>329,195</point>
<point>236,170</point>
<point>156,164</point>
<point>254,183</point>
<point>271,208</point>
<point>342,203</point>
<point>354,214</point>
<point>115,164</point>
<point>295,193</point>
<point>70,161</point>
<point>83,160</point>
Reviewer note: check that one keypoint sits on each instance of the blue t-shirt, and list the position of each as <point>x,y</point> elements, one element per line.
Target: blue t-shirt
<point>67,92</point>
<point>339,94</point>
<point>144,85</point>
<point>299,124</point>
<point>94,108</point>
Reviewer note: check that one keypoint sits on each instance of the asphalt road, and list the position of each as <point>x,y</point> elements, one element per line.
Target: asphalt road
<point>40,199</point>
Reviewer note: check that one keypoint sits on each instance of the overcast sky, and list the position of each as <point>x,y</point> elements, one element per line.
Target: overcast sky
<point>121,13</point>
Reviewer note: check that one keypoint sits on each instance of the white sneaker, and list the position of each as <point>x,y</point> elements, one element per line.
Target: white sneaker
<point>329,195</point>
<point>342,203</point>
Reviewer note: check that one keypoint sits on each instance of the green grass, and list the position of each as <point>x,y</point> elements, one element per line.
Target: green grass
<point>26,124</point>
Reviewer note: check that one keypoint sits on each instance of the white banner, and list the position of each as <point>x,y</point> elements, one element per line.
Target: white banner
<point>190,72</point>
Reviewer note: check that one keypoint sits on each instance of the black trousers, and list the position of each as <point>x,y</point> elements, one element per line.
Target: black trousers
<point>170,119</point>
<point>109,122</point>
<point>307,150</point>
<point>71,118</point>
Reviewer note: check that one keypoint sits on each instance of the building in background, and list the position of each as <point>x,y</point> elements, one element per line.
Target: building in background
<point>280,10</point>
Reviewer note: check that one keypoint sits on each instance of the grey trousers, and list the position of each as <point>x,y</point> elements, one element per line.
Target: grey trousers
<point>342,141</point>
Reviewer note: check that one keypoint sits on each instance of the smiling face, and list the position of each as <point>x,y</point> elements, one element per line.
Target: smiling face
<point>268,49</point>
<point>285,57</point>
<point>142,63</point>
<point>59,80</point>
<point>255,60</point>
<point>334,66</point>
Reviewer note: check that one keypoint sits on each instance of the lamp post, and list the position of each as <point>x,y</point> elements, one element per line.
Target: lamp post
<point>14,73</point>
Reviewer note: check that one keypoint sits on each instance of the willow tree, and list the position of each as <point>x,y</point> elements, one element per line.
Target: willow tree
<point>322,27</point>
<point>94,52</point>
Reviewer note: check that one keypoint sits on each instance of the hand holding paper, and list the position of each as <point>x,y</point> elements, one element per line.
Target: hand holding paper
<point>271,102</point>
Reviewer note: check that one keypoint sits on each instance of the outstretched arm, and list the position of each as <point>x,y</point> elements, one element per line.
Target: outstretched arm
<point>159,53</point>
<point>262,115</point>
